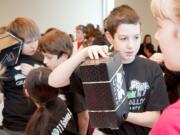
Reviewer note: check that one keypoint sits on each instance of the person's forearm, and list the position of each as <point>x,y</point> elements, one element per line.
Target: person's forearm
<point>61,73</point>
<point>145,119</point>
<point>83,128</point>
<point>83,122</point>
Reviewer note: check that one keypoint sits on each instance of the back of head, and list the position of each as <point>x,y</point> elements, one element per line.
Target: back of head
<point>90,28</point>
<point>42,94</point>
<point>163,9</point>
<point>56,42</point>
<point>121,15</point>
<point>24,28</point>
<point>50,29</point>
<point>37,86</point>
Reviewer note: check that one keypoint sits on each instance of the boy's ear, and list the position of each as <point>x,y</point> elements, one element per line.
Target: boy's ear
<point>65,55</point>
<point>109,37</point>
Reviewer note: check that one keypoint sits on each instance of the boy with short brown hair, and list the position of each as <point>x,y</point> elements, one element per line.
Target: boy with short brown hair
<point>146,88</point>
<point>56,48</point>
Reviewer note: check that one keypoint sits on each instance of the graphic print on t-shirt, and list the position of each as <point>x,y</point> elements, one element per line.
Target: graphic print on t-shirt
<point>119,92</point>
<point>58,130</point>
<point>136,94</point>
<point>18,77</point>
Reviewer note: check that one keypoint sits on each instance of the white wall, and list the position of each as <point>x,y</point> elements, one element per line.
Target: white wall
<point>108,5</point>
<point>143,9</point>
<point>63,14</point>
<point>66,14</point>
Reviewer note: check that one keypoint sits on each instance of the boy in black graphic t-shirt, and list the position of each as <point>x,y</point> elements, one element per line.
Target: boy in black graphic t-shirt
<point>56,48</point>
<point>144,80</point>
<point>145,83</point>
<point>17,108</point>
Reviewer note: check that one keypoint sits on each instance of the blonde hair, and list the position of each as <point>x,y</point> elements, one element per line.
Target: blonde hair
<point>160,9</point>
<point>24,28</point>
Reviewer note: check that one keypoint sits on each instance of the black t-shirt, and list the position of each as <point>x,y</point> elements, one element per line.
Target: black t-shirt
<point>79,102</point>
<point>146,91</point>
<point>62,122</point>
<point>74,94</point>
<point>66,94</point>
<point>17,107</point>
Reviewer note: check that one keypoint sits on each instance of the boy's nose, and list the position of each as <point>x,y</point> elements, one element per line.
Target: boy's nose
<point>130,44</point>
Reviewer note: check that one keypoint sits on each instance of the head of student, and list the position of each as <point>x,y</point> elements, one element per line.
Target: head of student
<point>147,39</point>
<point>124,32</point>
<point>56,47</point>
<point>167,15</point>
<point>28,31</point>
<point>43,95</point>
<point>81,33</point>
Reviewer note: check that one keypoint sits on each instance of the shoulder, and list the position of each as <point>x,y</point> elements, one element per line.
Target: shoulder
<point>143,67</point>
<point>145,61</point>
<point>169,120</point>
<point>152,67</point>
<point>142,63</point>
<point>172,109</point>
<point>57,108</point>
<point>171,114</point>
<point>75,75</point>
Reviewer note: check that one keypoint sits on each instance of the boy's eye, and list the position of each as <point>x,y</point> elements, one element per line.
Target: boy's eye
<point>123,38</point>
<point>30,41</point>
<point>137,37</point>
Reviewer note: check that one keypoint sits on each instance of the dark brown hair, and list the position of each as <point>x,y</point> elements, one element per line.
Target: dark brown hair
<point>42,94</point>
<point>56,42</point>
<point>145,38</point>
<point>121,15</point>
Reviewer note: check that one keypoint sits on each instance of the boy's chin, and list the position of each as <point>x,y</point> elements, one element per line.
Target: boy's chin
<point>48,67</point>
<point>128,61</point>
<point>29,54</point>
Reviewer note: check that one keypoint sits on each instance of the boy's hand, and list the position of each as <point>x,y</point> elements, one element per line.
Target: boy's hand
<point>26,68</point>
<point>157,57</point>
<point>95,50</point>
